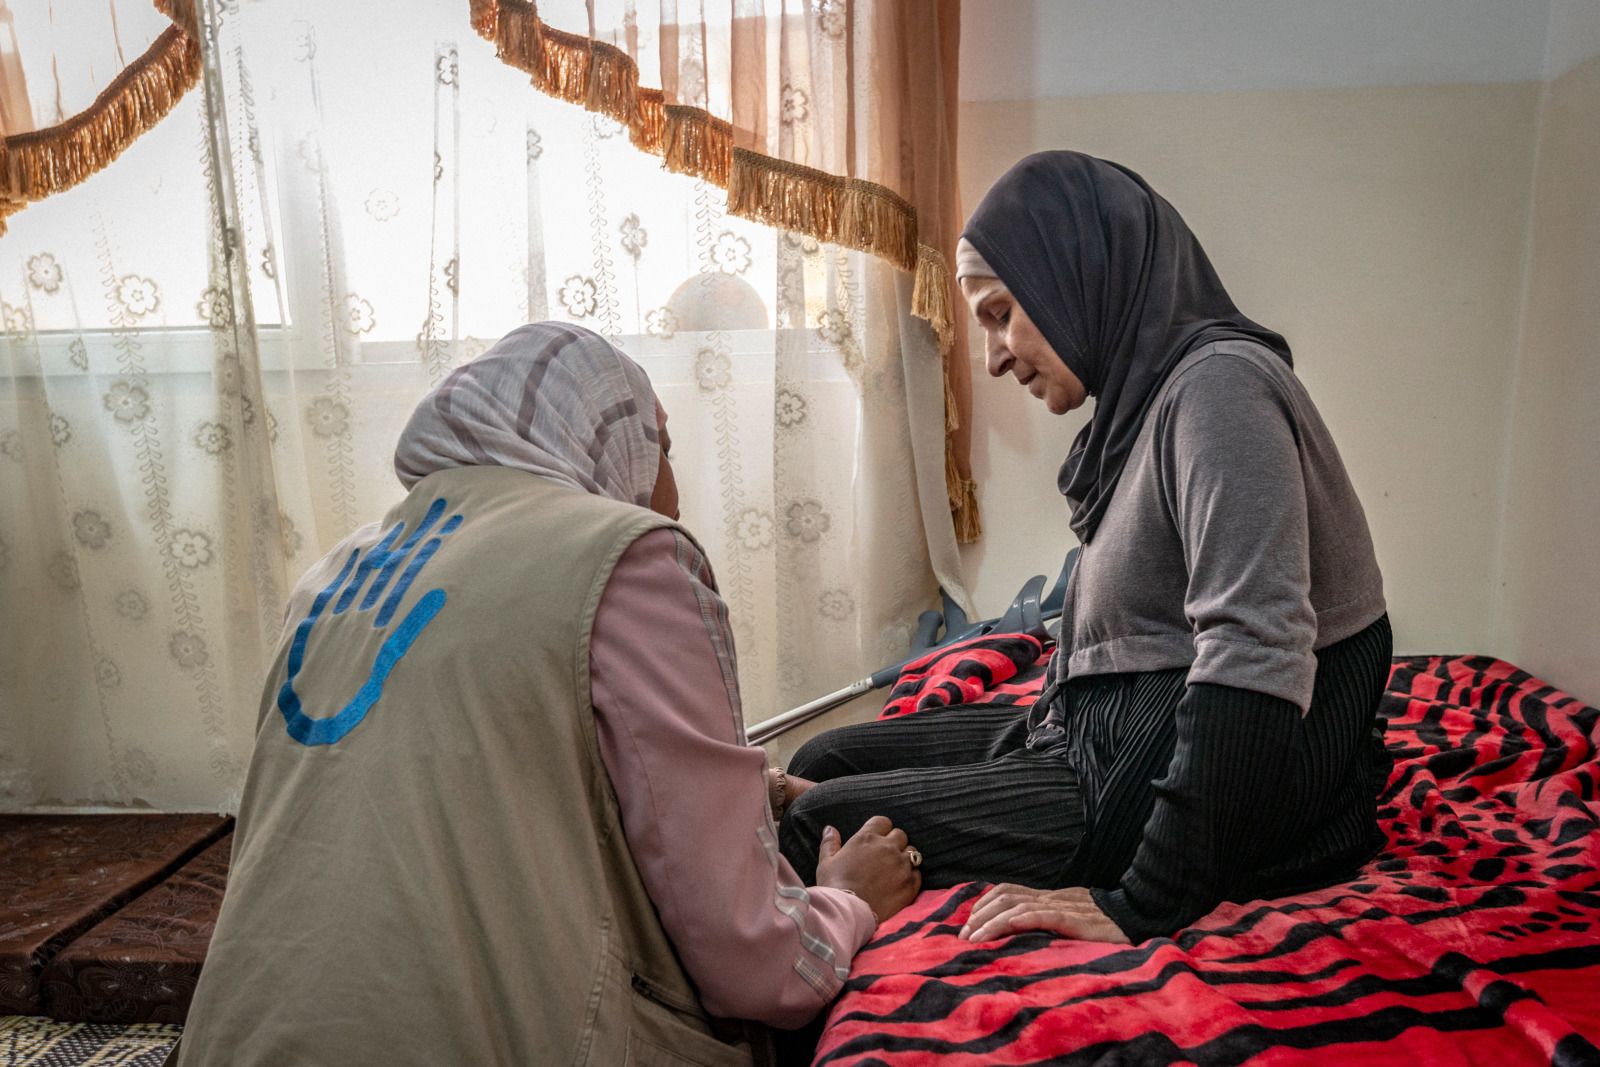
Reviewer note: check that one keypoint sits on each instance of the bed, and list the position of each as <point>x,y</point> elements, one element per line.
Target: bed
<point>1474,937</point>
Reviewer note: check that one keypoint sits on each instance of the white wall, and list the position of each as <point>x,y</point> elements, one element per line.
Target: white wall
<point>1032,49</point>
<point>1385,229</point>
<point>1547,611</point>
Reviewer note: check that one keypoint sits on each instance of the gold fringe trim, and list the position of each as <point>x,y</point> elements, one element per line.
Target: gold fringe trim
<point>963,494</point>
<point>961,491</point>
<point>931,298</point>
<point>38,163</point>
<point>604,79</point>
<point>952,414</point>
<point>844,211</point>
<point>696,143</point>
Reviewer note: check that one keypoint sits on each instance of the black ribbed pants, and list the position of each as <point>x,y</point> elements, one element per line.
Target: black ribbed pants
<point>981,806</point>
<point>960,781</point>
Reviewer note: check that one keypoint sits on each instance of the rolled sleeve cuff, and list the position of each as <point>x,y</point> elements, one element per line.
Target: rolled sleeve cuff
<point>865,923</point>
<point>1120,910</point>
<point>1287,674</point>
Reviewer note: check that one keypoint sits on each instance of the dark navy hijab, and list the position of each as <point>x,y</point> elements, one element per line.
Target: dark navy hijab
<point>1118,286</point>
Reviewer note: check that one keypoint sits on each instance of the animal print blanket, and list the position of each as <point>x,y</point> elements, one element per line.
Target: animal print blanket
<point>1474,937</point>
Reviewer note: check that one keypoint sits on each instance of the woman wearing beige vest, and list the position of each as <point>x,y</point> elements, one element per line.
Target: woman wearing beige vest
<point>500,809</point>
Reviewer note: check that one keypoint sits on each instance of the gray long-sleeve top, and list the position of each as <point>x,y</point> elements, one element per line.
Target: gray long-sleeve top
<point>1235,545</point>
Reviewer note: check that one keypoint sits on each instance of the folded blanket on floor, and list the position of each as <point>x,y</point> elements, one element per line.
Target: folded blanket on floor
<point>61,874</point>
<point>141,964</point>
<point>1473,938</point>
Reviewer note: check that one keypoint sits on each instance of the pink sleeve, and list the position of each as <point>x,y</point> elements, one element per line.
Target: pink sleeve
<point>757,944</point>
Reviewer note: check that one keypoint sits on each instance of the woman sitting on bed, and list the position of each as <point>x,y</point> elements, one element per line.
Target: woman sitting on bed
<point>1208,733</point>
<point>534,833</point>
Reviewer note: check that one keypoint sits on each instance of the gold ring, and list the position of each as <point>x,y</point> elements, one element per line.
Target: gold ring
<point>914,855</point>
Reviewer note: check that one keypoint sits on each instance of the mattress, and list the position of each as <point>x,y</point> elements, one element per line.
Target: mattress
<point>140,964</point>
<point>60,875</point>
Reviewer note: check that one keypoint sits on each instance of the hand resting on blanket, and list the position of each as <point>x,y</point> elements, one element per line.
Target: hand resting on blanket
<point>1005,909</point>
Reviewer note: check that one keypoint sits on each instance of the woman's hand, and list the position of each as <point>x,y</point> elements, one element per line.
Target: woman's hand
<point>1010,909</point>
<point>874,864</point>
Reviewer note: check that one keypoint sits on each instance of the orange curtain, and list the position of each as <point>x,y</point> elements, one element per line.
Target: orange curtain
<point>38,158</point>
<point>835,119</point>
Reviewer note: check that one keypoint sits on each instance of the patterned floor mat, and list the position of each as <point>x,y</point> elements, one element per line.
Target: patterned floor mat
<point>30,1042</point>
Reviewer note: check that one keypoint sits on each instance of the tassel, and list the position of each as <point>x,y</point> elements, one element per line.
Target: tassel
<point>961,490</point>
<point>930,298</point>
<point>649,130</point>
<point>963,494</point>
<point>486,18</point>
<point>182,13</point>
<point>598,76</point>
<point>694,142</point>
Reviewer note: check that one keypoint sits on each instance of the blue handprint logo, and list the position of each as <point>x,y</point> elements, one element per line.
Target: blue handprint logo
<point>384,560</point>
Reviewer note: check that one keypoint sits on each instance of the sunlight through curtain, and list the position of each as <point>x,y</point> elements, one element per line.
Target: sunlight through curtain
<point>210,347</point>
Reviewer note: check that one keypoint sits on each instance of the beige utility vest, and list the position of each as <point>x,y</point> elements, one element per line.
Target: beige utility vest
<point>429,867</point>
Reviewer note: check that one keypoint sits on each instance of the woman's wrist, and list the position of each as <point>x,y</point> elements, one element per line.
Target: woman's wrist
<point>875,919</point>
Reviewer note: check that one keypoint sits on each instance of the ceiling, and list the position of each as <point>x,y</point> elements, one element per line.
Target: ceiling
<point>1027,49</point>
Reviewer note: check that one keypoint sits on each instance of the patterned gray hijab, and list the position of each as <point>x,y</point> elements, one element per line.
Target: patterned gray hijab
<point>1118,285</point>
<point>549,398</point>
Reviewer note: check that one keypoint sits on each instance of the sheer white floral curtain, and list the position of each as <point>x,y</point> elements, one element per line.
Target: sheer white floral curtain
<point>128,481</point>
<point>177,446</point>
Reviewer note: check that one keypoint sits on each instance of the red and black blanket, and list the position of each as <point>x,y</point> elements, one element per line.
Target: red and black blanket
<point>1474,937</point>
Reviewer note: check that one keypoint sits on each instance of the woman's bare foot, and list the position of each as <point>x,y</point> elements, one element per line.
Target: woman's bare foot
<point>794,788</point>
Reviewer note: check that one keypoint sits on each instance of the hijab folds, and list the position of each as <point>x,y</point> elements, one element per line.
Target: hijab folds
<point>549,398</point>
<point>1119,287</point>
